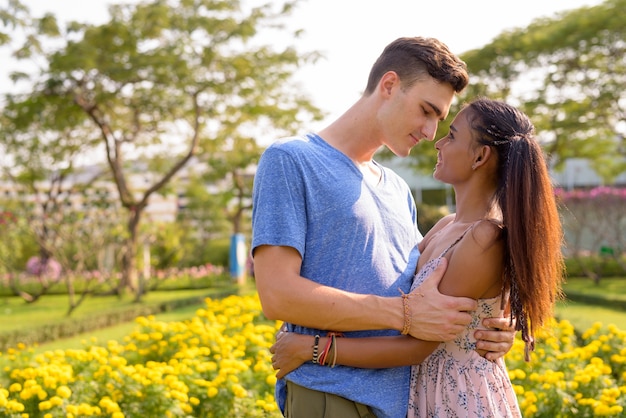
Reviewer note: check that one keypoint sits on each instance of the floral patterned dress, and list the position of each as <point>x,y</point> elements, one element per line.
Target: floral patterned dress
<point>455,381</point>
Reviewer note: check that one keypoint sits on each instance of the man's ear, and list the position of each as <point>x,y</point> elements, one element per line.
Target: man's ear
<point>387,82</point>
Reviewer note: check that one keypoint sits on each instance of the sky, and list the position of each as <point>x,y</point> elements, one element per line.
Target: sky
<point>352,33</point>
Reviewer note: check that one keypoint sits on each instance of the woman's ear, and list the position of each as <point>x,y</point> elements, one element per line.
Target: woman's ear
<point>483,153</point>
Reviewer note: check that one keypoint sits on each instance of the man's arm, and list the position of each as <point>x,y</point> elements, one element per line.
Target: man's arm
<point>286,295</point>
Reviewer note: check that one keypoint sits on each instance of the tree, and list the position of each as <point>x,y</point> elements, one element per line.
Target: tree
<point>163,81</point>
<point>568,73</point>
<point>235,168</point>
<point>43,147</point>
<point>17,241</point>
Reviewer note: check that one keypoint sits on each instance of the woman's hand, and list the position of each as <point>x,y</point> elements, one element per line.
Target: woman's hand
<point>290,351</point>
<point>497,339</point>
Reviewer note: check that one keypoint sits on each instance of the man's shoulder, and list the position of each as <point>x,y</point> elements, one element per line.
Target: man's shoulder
<point>289,142</point>
<point>301,147</point>
<point>392,176</point>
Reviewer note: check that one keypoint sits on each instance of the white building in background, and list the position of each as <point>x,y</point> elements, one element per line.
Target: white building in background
<point>577,173</point>
<point>161,208</point>
<point>164,208</point>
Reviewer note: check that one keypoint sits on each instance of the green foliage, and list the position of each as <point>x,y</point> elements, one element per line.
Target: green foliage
<point>166,248</point>
<point>217,363</point>
<point>569,74</point>
<point>604,267</point>
<point>217,252</point>
<point>155,85</point>
<point>17,244</point>
<point>47,322</point>
<point>203,212</point>
<point>428,215</point>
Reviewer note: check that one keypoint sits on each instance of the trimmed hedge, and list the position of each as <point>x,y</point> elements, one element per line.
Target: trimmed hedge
<point>71,327</point>
<point>603,266</point>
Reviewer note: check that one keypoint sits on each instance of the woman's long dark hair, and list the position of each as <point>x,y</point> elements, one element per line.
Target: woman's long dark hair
<point>533,235</point>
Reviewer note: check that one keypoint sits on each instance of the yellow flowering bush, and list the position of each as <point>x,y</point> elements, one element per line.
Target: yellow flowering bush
<point>217,364</point>
<point>570,375</point>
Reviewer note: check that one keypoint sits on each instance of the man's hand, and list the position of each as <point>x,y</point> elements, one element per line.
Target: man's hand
<point>498,339</point>
<point>435,316</point>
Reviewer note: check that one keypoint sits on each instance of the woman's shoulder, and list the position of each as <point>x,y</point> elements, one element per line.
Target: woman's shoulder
<point>487,232</point>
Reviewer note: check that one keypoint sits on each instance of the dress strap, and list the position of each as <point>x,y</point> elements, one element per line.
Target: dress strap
<point>457,240</point>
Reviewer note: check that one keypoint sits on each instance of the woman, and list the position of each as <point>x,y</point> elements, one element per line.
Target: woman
<point>502,246</point>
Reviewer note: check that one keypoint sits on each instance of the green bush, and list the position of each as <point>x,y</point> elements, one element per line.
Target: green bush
<point>216,252</point>
<point>217,364</point>
<point>428,215</point>
<point>601,265</point>
<point>71,327</point>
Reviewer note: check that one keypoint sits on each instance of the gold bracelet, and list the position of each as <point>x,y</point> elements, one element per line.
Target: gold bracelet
<point>407,313</point>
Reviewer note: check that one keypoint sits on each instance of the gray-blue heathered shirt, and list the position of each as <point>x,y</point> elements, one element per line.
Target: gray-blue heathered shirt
<point>352,235</point>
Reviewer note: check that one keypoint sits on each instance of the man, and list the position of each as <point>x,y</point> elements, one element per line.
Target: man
<point>335,235</point>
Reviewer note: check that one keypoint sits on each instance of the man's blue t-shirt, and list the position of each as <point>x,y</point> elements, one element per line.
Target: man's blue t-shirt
<point>352,235</point>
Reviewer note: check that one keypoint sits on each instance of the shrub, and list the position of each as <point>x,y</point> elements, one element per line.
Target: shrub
<point>218,364</point>
<point>428,215</point>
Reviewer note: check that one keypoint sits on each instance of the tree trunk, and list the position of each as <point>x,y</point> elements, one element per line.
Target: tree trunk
<point>129,259</point>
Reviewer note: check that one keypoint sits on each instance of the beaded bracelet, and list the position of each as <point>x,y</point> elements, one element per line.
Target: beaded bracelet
<point>315,349</point>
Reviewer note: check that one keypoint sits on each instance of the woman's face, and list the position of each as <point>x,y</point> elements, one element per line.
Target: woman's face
<point>455,151</point>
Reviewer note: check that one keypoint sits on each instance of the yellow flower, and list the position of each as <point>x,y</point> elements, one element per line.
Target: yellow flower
<point>530,410</point>
<point>56,401</point>
<point>45,405</point>
<point>239,391</point>
<point>14,406</point>
<point>64,392</point>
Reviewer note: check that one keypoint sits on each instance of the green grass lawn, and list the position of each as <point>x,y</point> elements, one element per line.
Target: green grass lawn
<point>117,332</point>
<point>51,308</point>
<point>610,288</point>
<point>55,308</point>
<point>580,315</point>
<point>583,316</point>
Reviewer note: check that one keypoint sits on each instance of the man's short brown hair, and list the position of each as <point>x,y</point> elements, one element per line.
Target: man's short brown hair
<point>414,58</point>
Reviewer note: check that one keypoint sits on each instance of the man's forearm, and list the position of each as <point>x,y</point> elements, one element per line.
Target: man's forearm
<point>309,304</point>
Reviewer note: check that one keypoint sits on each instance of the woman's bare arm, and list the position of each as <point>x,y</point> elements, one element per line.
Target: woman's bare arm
<point>291,350</point>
